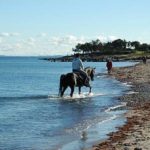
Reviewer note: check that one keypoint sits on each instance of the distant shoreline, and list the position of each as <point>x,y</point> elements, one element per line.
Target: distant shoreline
<point>95,57</point>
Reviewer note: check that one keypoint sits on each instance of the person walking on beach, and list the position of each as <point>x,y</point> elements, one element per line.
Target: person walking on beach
<point>109,65</point>
<point>77,66</point>
<point>144,59</point>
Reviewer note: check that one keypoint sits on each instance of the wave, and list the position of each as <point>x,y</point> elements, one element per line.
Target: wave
<point>76,96</point>
<point>117,107</point>
<point>54,96</point>
<point>129,84</point>
<point>87,124</point>
<point>132,92</point>
<point>88,133</point>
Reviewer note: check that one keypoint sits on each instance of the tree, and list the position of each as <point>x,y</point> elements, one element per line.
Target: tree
<point>119,44</point>
<point>144,47</point>
<point>96,45</point>
<point>135,44</point>
<point>75,50</point>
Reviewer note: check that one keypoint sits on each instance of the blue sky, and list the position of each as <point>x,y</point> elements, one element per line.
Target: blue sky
<point>49,27</point>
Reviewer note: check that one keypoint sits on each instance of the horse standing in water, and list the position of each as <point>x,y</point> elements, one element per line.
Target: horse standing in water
<point>75,80</point>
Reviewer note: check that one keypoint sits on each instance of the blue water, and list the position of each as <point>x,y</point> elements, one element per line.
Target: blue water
<point>32,116</point>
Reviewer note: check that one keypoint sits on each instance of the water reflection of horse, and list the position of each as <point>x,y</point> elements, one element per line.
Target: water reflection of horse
<point>73,80</point>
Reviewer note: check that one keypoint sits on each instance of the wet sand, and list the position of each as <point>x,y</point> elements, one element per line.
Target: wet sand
<point>135,133</point>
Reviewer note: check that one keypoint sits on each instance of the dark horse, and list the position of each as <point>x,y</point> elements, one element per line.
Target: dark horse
<point>75,80</point>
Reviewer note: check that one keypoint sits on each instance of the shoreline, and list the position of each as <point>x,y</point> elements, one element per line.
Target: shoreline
<point>135,133</point>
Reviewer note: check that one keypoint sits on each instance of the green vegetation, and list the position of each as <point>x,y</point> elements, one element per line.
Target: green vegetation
<point>118,50</point>
<point>118,46</point>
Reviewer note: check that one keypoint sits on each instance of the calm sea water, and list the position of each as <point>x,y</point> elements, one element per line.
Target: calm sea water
<point>32,116</point>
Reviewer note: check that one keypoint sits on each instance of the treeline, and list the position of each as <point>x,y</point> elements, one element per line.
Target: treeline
<point>118,46</point>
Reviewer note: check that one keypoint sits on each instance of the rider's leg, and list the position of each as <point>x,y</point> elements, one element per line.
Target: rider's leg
<point>85,76</point>
<point>79,90</point>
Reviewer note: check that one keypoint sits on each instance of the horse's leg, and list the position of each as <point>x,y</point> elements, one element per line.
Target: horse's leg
<point>79,90</point>
<point>62,92</point>
<point>72,90</point>
<point>90,89</point>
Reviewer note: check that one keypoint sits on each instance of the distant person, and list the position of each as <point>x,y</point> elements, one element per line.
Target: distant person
<point>109,66</point>
<point>77,66</point>
<point>144,59</point>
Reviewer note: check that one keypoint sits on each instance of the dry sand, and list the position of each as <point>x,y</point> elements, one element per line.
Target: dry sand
<point>135,134</point>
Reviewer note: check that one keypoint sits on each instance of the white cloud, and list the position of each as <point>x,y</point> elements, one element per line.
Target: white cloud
<point>43,34</point>
<point>0,40</point>
<point>6,48</point>
<point>67,40</point>
<point>112,38</point>
<point>6,34</point>
<point>31,41</point>
<point>106,38</point>
<point>17,46</point>
<point>42,44</point>
<point>102,38</point>
<point>14,34</point>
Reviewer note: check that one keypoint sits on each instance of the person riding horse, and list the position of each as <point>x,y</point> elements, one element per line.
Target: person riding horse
<point>77,67</point>
<point>79,77</point>
<point>73,80</point>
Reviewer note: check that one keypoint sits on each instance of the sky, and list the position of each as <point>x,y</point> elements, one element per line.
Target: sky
<point>54,27</point>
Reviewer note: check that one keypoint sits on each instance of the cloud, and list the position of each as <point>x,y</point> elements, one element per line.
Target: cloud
<point>42,35</point>
<point>67,40</point>
<point>17,46</point>
<point>112,38</point>
<point>6,34</point>
<point>106,38</point>
<point>31,40</point>
<point>43,44</point>
<point>102,38</point>
<point>0,40</point>
<point>6,48</point>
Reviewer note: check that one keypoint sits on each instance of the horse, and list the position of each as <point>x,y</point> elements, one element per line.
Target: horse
<point>73,80</point>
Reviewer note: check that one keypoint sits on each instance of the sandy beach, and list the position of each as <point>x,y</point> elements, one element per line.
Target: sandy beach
<point>135,133</point>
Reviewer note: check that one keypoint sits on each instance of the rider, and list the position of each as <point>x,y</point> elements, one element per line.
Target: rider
<point>77,66</point>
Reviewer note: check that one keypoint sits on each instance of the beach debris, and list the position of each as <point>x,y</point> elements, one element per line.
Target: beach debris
<point>84,136</point>
<point>138,148</point>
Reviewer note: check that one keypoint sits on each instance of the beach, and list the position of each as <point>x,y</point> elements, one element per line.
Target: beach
<point>135,133</point>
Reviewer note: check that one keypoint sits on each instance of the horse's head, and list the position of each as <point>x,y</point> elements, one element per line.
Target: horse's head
<point>90,72</point>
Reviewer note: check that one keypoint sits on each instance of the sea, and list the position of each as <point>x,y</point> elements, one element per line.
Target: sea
<point>34,117</point>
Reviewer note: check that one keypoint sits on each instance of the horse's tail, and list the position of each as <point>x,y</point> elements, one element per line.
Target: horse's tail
<point>61,84</point>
